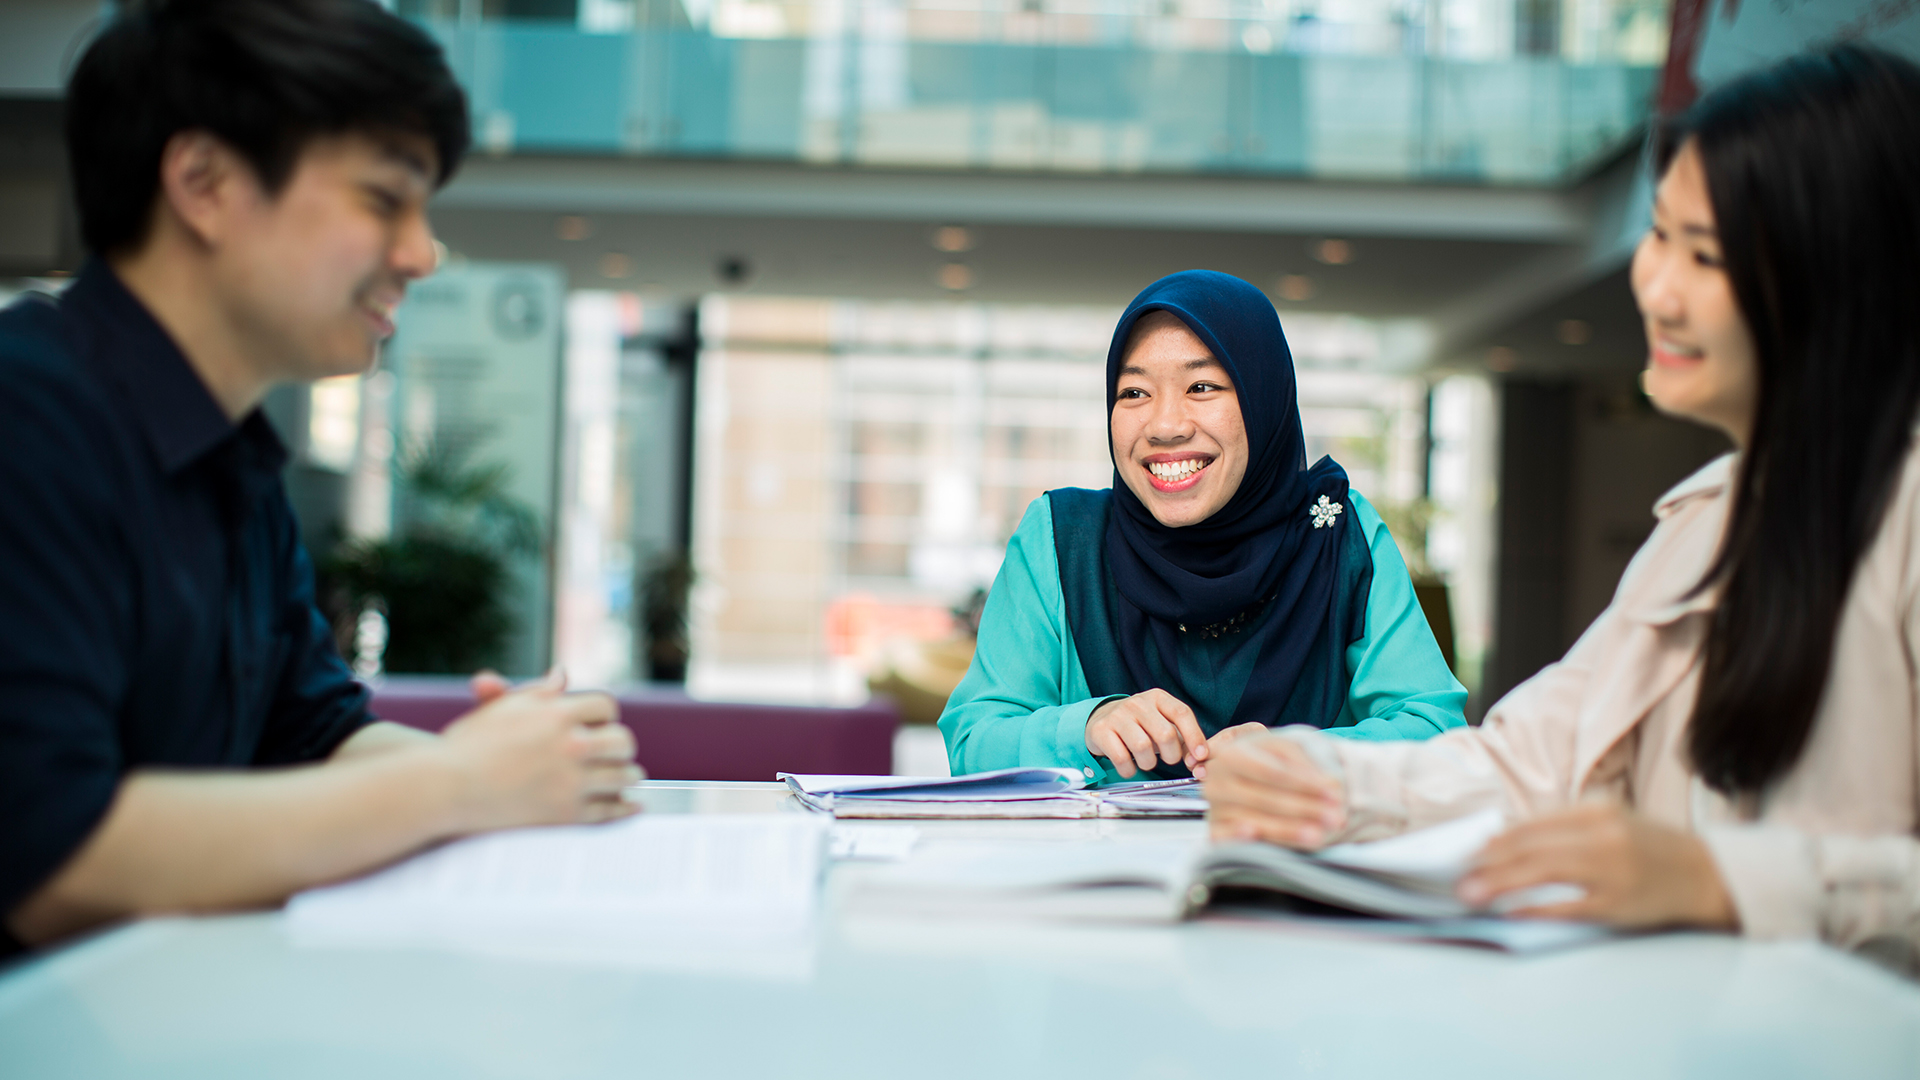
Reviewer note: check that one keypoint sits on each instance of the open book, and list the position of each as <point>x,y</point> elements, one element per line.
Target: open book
<point>1002,793</point>
<point>1409,878</point>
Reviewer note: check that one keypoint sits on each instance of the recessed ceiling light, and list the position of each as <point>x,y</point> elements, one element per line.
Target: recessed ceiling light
<point>1333,252</point>
<point>1295,287</point>
<point>615,265</point>
<point>573,227</point>
<point>1501,358</point>
<point>953,238</point>
<point>956,276</point>
<point>1574,332</point>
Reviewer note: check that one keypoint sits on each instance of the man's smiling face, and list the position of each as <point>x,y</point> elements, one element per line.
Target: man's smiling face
<point>311,275</point>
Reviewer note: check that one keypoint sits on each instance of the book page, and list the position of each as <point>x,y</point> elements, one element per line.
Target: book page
<point>1438,855</point>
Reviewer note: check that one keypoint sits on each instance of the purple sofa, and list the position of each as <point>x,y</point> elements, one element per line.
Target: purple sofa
<point>678,738</point>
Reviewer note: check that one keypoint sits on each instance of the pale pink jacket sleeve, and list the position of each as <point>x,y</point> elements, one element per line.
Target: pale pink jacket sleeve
<point>1792,883</point>
<point>1562,733</point>
<point>1830,853</point>
<point>1785,881</point>
<point>1519,759</point>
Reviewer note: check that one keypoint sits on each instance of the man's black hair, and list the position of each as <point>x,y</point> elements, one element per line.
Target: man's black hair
<point>263,76</point>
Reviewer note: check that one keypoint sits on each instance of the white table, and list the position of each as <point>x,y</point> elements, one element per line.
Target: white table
<point>231,997</point>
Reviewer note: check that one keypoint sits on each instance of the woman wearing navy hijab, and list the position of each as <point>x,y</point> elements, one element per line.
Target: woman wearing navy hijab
<point>1221,585</point>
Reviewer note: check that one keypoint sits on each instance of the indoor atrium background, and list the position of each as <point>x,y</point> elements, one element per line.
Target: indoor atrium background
<point>761,322</point>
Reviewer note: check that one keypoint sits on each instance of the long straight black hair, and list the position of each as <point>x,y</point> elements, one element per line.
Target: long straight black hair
<point>1813,169</point>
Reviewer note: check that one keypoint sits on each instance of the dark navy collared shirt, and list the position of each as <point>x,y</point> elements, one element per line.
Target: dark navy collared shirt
<point>156,606</point>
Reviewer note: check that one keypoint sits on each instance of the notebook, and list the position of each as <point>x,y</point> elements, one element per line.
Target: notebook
<point>1002,793</point>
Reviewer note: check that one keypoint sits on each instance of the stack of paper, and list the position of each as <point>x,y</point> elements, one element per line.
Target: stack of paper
<point>672,890</point>
<point>1004,793</point>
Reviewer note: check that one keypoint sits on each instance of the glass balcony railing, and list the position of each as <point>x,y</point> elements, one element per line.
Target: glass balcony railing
<point>774,82</point>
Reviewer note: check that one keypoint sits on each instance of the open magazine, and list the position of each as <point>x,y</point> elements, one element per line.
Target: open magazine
<point>1408,879</point>
<point>1002,793</point>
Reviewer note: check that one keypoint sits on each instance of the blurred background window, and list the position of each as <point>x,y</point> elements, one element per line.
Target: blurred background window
<point>862,465</point>
<point>1502,90</point>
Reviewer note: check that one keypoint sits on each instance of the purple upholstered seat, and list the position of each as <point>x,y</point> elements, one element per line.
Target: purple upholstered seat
<point>678,738</point>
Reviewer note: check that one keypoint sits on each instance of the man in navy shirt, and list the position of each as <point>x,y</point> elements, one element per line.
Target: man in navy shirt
<point>177,732</point>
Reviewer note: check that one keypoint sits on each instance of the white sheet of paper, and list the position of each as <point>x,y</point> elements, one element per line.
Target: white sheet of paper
<point>668,887</point>
<point>873,843</point>
<point>971,866</point>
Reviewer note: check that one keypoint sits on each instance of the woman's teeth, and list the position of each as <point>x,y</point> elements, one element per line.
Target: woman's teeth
<point>1172,472</point>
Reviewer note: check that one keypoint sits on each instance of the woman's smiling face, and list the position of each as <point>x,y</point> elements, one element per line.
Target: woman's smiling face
<point>1179,441</point>
<point>1701,362</point>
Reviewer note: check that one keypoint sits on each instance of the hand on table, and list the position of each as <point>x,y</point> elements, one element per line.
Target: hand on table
<point>1264,787</point>
<point>1220,739</point>
<point>1635,872</point>
<point>1138,733</point>
<point>540,756</point>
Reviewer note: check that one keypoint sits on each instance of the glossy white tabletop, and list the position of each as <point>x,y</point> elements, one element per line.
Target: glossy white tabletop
<point>232,997</point>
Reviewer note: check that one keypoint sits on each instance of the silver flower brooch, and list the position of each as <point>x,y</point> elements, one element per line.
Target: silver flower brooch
<point>1324,512</point>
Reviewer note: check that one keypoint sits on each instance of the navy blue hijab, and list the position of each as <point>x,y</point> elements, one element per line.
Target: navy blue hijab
<point>1260,557</point>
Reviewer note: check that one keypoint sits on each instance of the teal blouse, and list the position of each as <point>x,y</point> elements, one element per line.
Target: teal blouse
<point>1025,701</point>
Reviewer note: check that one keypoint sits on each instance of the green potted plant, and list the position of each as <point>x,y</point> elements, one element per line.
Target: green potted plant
<point>441,579</point>
<point>665,585</point>
<point>1408,522</point>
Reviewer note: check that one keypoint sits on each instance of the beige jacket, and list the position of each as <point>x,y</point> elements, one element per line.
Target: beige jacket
<point>1830,852</point>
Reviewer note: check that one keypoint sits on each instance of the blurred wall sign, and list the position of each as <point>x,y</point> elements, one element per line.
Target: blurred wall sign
<point>520,307</point>
<point>476,363</point>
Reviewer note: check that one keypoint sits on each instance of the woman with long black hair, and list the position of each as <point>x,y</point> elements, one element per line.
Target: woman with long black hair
<point>1735,742</point>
